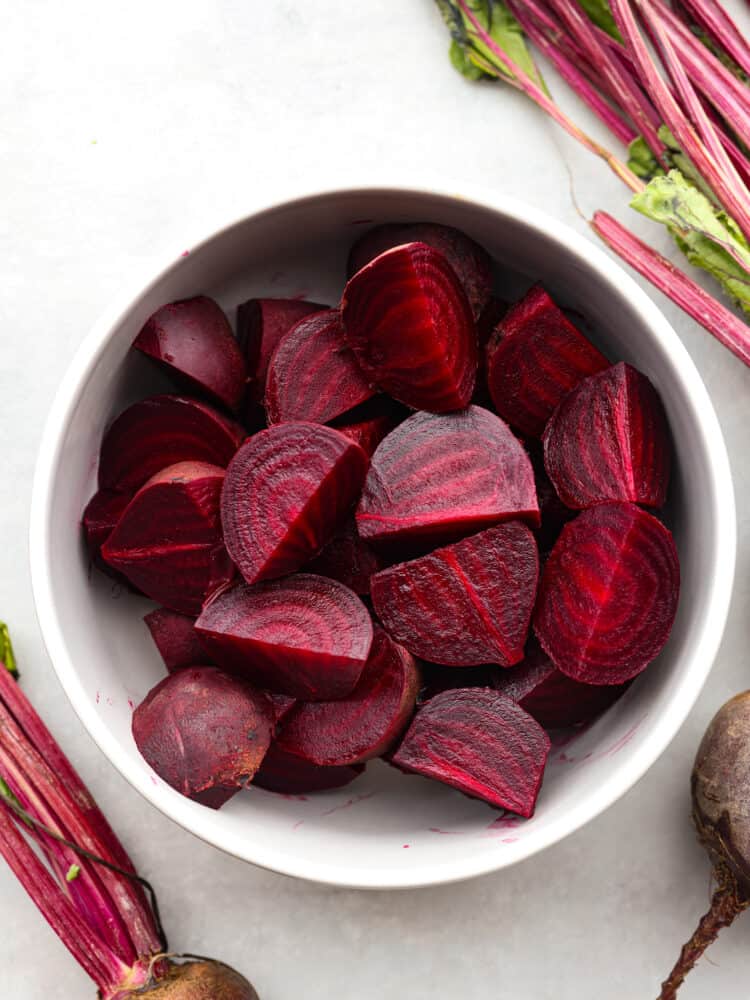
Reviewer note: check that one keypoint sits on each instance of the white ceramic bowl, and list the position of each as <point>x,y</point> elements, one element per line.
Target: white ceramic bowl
<point>386,829</point>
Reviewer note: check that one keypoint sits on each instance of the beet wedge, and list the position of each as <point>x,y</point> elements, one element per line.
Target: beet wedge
<point>437,478</point>
<point>194,341</point>
<point>608,594</point>
<point>100,518</point>
<point>466,604</point>
<point>481,743</point>
<point>368,722</point>
<point>534,359</point>
<point>289,775</point>
<point>175,637</point>
<point>348,559</point>
<point>168,541</point>
<point>205,733</point>
<point>286,491</point>
<point>161,431</point>
<point>609,440</point>
<point>313,375</point>
<point>471,262</point>
<point>409,323</point>
<point>304,636</point>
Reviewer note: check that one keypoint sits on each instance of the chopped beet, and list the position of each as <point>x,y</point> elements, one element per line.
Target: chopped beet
<point>261,323</point>
<point>168,541</point>
<point>193,339</point>
<point>548,695</point>
<point>608,594</point>
<point>204,733</point>
<point>100,517</point>
<point>161,431</point>
<point>286,491</point>
<point>436,478</point>
<point>534,359</point>
<point>437,678</point>
<point>304,636</point>
<point>369,423</point>
<point>289,775</point>
<point>481,743</point>
<point>554,513</point>
<point>348,559</point>
<point>609,440</point>
<point>175,638</point>
<point>470,261</point>
<point>410,325</point>
<point>368,722</point>
<point>313,374</point>
<point>466,604</point>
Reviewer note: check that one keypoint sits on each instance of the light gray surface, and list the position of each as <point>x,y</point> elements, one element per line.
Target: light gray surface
<point>124,132</point>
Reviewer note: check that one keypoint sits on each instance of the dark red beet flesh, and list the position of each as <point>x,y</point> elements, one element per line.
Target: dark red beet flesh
<point>313,374</point>
<point>368,424</point>
<point>290,775</point>
<point>168,541</point>
<point>608,594</point>
<point>348,559</point>
<point>470,261</point>
<point>286,491</point>
<point>174,636</point>
<point>100,517</point>
<point>535,357</point>
<point>368,722</point>
<point>194,340</point>
<point>205,733</point>
<point>304,636</point>
<point>481,743</point>
<point>161,431</point>
<point>409,323</point>
<point>609,440</point>
<point>436,478</point>
<point>466,604</point>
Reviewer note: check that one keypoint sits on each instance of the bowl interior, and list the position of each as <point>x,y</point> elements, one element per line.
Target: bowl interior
<point>386,829</point>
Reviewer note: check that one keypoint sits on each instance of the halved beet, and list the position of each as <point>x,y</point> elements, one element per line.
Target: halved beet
<point>161,431</point>
<point>470,261</point>
<point>348,558</point>
<point>466,604</point>
<point>608,594</point>
<point>193,339</point>
<point>368,722</point>
<point>286,491</point>
<point>168,541</point>
<point>289,775</point>
<point>304,636</point>
<point>313,374</point>
<point>436,478</point>
<point>174,636</point>
<point>609,440</point>
<point>261,323</point>
<point>409,323</point>
<point>549,696</point>
<point>204,733</point>
<point>481,743</point>
<point>535,357</point>
<point>369,423</point>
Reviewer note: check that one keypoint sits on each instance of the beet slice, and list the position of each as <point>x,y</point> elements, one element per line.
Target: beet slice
<point>168,541</point>
<point>369,423</point>
<point>286,491</point>
<point>409,323</point>
<point>313,374</point>
<point>436,478</point>
<point>304,636</point>
<point>609,440</point>
<point>534,359</point>
<point>261,323</point>
<point>368,722</point>
<point>205,733</point>
<point>348,559</point>
<point>466,604</point>
<point>174,636</point>
<point>193,339</point>
<point>289,775</point>
<point>161,431</point>
<point>608,594</point>
<point>471,262</point>
<point>481,743</point>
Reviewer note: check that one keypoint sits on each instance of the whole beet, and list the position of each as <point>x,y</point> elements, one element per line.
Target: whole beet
<point>721,812</point>
<point>201,979</point>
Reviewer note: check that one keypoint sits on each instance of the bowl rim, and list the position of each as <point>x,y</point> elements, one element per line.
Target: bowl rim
<point>699,662</point>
